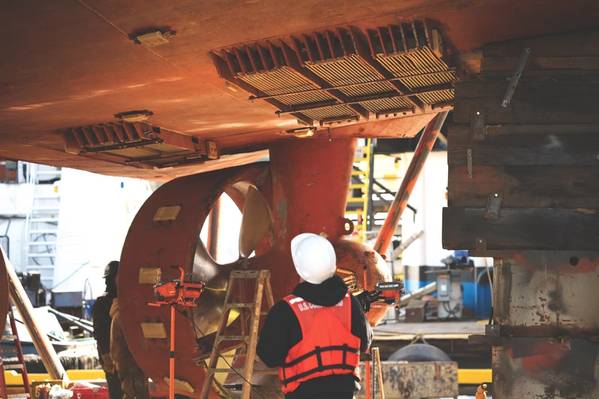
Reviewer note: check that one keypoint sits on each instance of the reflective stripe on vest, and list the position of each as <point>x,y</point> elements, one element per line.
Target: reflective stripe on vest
<point>327,346</point>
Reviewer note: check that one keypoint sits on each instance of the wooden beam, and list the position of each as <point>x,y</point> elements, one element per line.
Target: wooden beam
<point>543,65</point>
<point>526,149</point>
<point>538,101</point>
<point>520,229</point>
<point>4,298</point>
<point>557,45</point>
<point>461,133</point>
<point>534,88</point>
<point>40,339</point>
<point>525,186</point>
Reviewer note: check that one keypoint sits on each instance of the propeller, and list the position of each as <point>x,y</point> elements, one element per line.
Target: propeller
<point>256,222</point>
<point>302,189</point>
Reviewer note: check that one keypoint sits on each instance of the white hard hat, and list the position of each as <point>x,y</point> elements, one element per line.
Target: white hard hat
<point>313,257</point>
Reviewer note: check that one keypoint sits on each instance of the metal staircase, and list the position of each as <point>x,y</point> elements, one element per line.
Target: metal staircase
<point>359,199</point>
<point>42,221</point>
<point>369,199</point>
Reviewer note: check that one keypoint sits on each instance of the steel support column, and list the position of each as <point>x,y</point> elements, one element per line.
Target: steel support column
<point>546,327</point>
<point>370,209</point>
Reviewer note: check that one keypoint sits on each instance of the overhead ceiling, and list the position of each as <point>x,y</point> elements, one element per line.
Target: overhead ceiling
<point>76,63</point>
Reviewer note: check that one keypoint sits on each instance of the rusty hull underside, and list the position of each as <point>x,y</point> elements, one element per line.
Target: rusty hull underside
<point>74,63</point>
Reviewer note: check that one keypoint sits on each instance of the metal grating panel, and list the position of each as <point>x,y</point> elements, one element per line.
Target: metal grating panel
<point>273,71</point>
<point>353,70</point>
<point>116,135</point>
<point>418,61</point>
<point>136,144</point>
<point>336,113</point>
<point>344,74</point>
<point>286,80</point>
<point>412,49</point>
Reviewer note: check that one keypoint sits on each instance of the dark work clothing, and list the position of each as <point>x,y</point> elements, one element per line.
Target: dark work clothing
<point>334,386</point>
<point>333,395</point>
<point>102,322</point>
<point>281,331</point>
<point>114,385</point>
<point>101,319</point>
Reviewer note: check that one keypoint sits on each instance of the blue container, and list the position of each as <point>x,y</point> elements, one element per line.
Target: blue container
<point>481,295</point>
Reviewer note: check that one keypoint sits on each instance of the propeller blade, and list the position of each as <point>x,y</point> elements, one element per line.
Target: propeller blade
<point>256,222</point>
<point>211,306</point>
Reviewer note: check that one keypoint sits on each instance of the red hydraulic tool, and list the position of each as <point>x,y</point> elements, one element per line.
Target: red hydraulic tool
<point>175,293</point>
<point>388,292</point>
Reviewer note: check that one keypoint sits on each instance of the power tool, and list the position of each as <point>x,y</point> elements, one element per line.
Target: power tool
<point>176,293</point>
<point>388,292</point>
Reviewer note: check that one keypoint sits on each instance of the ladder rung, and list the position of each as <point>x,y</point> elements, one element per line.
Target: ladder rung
<point>238,305</point>
<point>43,220</point>
<point>40,255</point>
<point>54,232</point>
<point>249,274</point>
<point>262,282</point>
<point>240,371</point>
<point>267,372</point>
<point>224,370</point>
<point>14,366</point>
<point>232,338</point>
<point>356,186</point>
<point>354,200</point>
<point>42,242</point>
<point>242,275</point>
<point>48,172</point>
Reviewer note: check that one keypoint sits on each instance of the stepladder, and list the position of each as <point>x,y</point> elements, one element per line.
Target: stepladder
<point>247,300</point>
<point>21,360</point>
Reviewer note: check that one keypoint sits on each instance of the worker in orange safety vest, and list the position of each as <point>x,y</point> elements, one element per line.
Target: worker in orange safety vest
<point>315,335</point>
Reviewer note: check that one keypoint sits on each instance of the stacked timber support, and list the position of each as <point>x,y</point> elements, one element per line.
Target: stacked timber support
<point>524,188</point>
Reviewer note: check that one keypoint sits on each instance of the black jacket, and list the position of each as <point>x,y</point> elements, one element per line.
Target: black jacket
<point>281,331</point>
<point>101,321</point>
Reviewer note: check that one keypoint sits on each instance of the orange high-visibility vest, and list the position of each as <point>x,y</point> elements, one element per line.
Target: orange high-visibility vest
<point>327,346</point>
